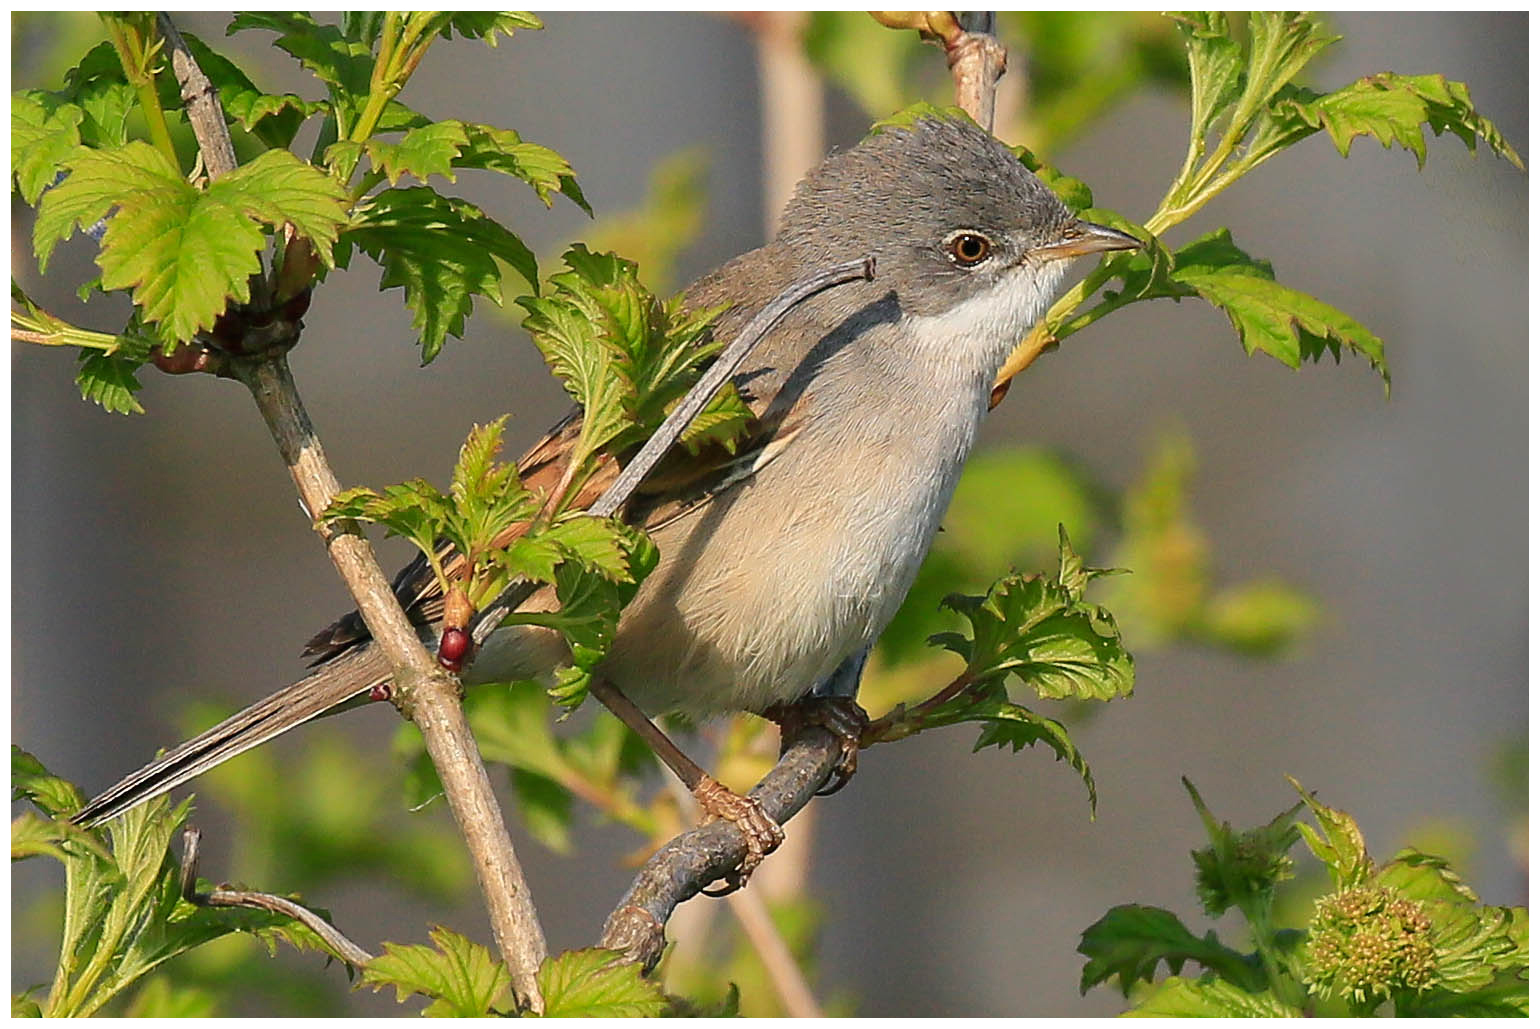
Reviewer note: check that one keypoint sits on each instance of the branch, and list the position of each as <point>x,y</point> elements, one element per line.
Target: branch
<point>223,897</point>
<point>696,859</point>
<point>205,113</point>
<point>424,692</point>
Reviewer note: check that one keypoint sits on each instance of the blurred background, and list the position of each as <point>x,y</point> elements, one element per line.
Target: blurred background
<point>1348,603</point>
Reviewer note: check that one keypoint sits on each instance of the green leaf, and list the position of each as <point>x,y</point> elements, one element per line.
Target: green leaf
<point>1393,109</point>
<point>344,64</point>
<point>109,381</point>
<point>1214,63</point>
<point>1075,194</point>
<point>53,796</point>
<point>1281,322</point>
<point>1422,876</point>
<point>1339,844</point>
<point>1242,869</point>
<point>622,355</point>
<point>159,998</point>
<point>485,25</point>
<point>1209,998</point>
<point>421,152</point>
<point>1131,941</point>
<point>44,132</point>
<point>184,252</point>
<point>98,86</point>
<point>33,835</point>
<point>462,977</point>
<point>441,251</point>
<point>597,983</point>
<point>1008,724</point>
<point>502,150</point>
<point>1034,629</point>
<point>923,110</point>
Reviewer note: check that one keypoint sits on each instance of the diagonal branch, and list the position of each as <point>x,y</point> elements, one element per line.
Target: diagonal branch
<point>696,859</point>
<point>424,692</point>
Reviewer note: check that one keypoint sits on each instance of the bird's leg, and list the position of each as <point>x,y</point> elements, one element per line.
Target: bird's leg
<point>832,705</point>
<point>759,830</point>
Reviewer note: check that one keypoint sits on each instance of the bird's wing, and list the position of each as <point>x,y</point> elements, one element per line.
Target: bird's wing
<point>680,483</point>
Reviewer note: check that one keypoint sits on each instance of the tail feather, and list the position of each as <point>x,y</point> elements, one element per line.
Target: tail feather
<point>330,687</point>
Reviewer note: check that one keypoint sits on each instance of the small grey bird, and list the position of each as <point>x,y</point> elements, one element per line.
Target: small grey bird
<point>780,564</point>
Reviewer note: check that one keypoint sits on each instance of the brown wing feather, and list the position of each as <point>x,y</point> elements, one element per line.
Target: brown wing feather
<point>679,484</point>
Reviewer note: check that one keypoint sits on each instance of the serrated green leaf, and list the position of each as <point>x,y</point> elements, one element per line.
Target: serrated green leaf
<point>1008,724</point>
<point>502,150</point>
<point>44,132</point>
<point>421,152</point>
<point>440,251</point>
<point>1214,66</point>
<point>597,983</point>
<point>53,796</point>
<point>108,380</point>
<point>1472,944</point>
<point>33,835</point>
<point>1506,997</point>
<point>1393,109</point>
<point>1131,941</point>
<point>598,544</point>
<point>344,64</point>
<point>1339,844</point>
<point>1031,628</point>
<point>485,25</point>
<point>461,976</point>
<point>1281,322</point>
<point>184,252</point>
<point>98,86</point>
<point>1176,997</point>
<point>1419,876</point>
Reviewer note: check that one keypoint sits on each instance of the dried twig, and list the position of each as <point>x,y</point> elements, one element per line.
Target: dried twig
<point>205,113</point>
<point>225,897</point>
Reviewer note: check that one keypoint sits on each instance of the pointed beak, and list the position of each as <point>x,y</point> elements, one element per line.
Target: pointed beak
<point>1083,237</point>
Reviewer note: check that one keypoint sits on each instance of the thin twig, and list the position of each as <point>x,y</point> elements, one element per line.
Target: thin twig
<point>224,897</point>
<point>977,60</point>
<point>696,859</point>
<point>205,113</point>
<point>424,692</point>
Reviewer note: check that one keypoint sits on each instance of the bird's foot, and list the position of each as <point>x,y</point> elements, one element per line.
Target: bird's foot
<point>759,830</point>
<point>840,715</point>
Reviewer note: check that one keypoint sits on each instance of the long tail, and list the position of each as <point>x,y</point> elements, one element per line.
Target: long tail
<point>331,686</point>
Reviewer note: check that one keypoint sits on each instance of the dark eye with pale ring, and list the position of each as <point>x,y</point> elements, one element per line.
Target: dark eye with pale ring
<point>967,248</point>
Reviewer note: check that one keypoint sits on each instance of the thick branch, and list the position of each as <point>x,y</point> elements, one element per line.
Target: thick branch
<point>977,60</point>
<point>424,692</point>
<point>696,859</point>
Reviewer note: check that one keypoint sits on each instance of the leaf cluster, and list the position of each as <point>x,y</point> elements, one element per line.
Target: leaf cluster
<point>490,530</point>
<point>124,910</point>
<point>1040,630</point>
<point>189,251</point>
<point>626,357</point>
<point>1408,933</point>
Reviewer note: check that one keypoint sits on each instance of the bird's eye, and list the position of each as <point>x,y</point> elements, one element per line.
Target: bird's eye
<point>967,248</point>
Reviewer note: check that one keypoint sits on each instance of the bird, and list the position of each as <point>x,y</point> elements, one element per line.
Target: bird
<point>781,562</point>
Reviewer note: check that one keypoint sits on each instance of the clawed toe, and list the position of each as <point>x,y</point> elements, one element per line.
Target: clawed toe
<point>759,830</point>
